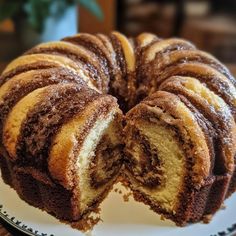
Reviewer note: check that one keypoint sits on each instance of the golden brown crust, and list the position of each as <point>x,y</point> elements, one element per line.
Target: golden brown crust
<point>94,44</point>
<point>186,56</point>
<point>145,39</point>
<point>166,45</point>
<point>55,60</point>
<point>88,60</point>
<point>182,118</point>
<point>62,156</point>
<point>51,101</point>
<point>216,111</point>
<point>211,77</point>
<point>200,187</point>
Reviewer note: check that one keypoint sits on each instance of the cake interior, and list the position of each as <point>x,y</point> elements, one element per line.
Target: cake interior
<point>163,167</point>
<point>98,161</point>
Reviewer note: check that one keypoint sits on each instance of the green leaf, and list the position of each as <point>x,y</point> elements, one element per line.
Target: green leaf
<point>37,12</point>
<point>8,9</point>
<point>92,6</point>
<point>58,7</point>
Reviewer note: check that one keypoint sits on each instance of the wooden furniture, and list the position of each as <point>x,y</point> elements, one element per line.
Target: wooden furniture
<point>7,230</point>
<point>8,42</point>
<point>2,66</point>
<point>216,34</point>
<point>90,24</point>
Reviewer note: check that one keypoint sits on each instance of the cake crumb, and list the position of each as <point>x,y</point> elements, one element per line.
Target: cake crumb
<point>126,196</point>
<point>88,233</point>
<point>87,222</point>
<point>162,218</point>
<point>223,207</point>
<point>207,219</point>
<point>116,190</point>
<point>124,183</point>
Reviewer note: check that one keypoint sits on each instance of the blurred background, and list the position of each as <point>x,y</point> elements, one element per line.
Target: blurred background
<point>210,24</point>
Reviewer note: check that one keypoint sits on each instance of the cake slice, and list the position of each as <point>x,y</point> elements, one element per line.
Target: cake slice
<point>65,152</point>
<point>171,164</point>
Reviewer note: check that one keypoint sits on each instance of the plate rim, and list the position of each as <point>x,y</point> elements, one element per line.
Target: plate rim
<point>33,231</point>
<point>19,225</point>
<point>229,231</point>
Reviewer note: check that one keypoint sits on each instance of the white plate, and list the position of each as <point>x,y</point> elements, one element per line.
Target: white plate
<point>119,219</point>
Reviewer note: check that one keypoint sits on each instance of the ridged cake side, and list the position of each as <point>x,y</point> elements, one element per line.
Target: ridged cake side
<point>153,136</point>
<point>56,139</point>
<point>62,137</point>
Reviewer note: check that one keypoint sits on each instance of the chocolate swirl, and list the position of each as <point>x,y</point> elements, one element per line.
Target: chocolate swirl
<point>60,132</point>
<point>103,168</point>
<point>147,170</point>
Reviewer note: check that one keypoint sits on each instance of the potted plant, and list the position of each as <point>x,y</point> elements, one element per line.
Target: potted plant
<point>44,20</point>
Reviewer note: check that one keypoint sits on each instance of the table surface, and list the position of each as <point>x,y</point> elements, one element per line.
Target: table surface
<point>2,66</point>
<point>3,230</point>
<point>6,229</point>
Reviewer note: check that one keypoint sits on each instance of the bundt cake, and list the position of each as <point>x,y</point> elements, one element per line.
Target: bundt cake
<point>64,139</point>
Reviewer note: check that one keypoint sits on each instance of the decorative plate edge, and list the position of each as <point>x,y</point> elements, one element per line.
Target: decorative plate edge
<point>19,225</point>
<point>230,231</point>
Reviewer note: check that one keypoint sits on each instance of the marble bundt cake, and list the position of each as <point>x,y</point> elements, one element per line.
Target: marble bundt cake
<point>64,139</point>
